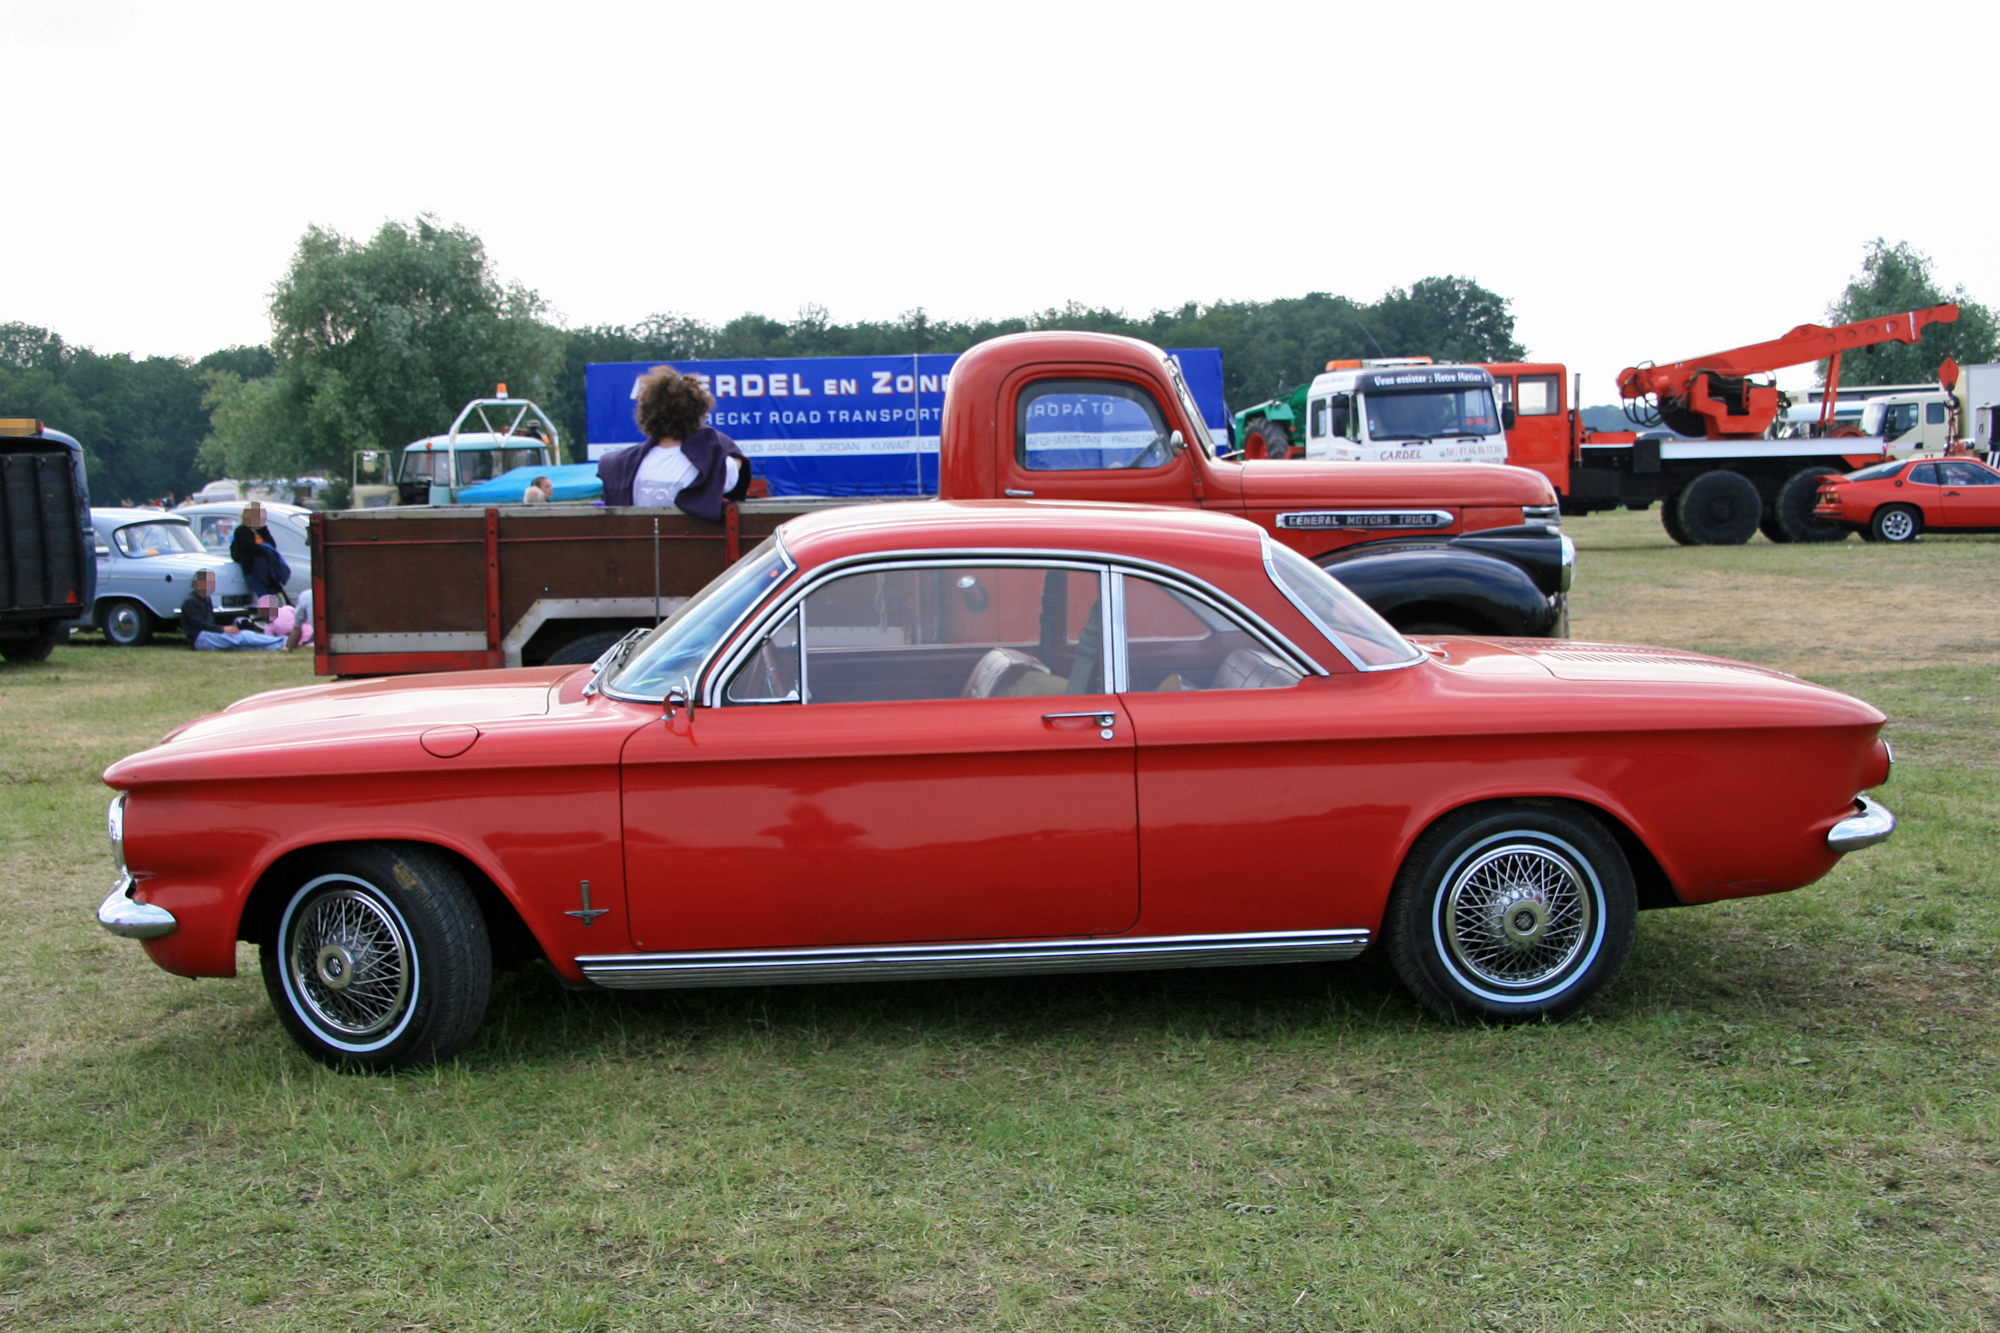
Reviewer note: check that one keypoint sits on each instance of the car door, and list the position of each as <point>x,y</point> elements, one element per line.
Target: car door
<point>915,751</point>
<point>1971,494</point>
<point>1245,823</point>
<point>1923,486</point>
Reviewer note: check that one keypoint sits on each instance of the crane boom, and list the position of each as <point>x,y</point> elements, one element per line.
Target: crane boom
<point>1712,397</point>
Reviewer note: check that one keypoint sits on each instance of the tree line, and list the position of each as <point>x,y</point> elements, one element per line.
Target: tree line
<point>379,342</point>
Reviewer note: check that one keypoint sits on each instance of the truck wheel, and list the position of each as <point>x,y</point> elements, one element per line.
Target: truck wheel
<point>1253,438</point>
<point>1510,911</point>
<point>127,624</point>
<point>1768,525</point>
<point>1794,509</point>
<point>584,650</point>
<point>1277,440</point>
<point>1720,508</point>
<point>1670,519</point>
<point>1896,523</point>
<point>378,957</point>
<point>47,635</point>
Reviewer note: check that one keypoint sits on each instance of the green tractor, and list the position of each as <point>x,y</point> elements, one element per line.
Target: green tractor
<point>1267,429</point>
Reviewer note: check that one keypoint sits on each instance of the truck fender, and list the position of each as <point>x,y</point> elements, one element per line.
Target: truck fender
<point>1447,589</point>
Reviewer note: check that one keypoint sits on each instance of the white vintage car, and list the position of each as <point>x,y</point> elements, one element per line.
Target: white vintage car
<point>146,563</point>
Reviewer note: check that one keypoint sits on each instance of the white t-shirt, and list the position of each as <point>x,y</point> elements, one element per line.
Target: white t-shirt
<point>664,472</point>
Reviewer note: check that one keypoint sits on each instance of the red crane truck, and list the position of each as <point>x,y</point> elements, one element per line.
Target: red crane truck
<point>1718,489</point>
<point>1435,547</point>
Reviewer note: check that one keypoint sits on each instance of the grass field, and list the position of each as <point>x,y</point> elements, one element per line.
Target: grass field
<point>1786,1115</point>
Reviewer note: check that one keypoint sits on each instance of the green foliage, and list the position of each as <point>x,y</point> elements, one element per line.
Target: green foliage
<point>378,344</point>
<point>1896,278</point>
<point>140,421</point>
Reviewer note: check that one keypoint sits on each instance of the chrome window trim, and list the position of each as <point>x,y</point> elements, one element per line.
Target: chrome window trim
<point>720,672</point>
<point>718,669</point>
<point>1340,646</point>
<point>724,639</point>
<point>1112,594</point>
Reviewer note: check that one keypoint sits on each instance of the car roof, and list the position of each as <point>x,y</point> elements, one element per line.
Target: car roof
<point>135,514</point>
<point>238,506</point>
<point>1189,539</point>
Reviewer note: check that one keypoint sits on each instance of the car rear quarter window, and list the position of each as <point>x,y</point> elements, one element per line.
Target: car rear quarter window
<point>1363,637</point>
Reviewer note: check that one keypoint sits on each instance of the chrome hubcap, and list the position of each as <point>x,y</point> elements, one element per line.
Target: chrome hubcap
<point>350,962</point>
<point>1518,915</point>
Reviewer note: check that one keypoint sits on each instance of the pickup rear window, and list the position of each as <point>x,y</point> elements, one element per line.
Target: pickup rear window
<point>1089,425</point>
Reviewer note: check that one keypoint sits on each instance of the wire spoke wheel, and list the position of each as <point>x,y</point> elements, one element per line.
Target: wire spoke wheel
<point>351,961</point>
<point>1518,916</point>
<point>1509,911</point>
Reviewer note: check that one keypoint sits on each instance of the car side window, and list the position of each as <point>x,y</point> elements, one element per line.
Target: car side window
<point>960,631</point>
<point>1967,474</point>
<point>1175,643</point>
<point>1089,425</point>
<point>1924,474</point>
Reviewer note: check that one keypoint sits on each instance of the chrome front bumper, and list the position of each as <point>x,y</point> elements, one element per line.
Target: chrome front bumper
<point>120,914</point>
<point>1874,824</point>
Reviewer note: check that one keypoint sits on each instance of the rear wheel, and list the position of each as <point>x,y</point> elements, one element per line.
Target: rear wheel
<point>1896,523</point>
<point>378,957</point>
<point>1277,441</point>
<point>1511,911</point>
<point>127,624</point>
<point>1795,504</point>
<point>47,635</point>
<point>578,652</point>
<point>1670,519</point>
<point>1720,508</point>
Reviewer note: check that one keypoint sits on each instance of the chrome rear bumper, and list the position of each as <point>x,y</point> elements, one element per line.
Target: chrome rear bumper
<point>1872,825</point>
<point>120,914</point>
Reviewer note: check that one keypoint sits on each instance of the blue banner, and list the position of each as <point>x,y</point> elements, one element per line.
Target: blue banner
<point>851,425</point>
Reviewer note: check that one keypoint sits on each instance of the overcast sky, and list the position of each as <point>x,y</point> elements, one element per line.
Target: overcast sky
<point>1642,181</point>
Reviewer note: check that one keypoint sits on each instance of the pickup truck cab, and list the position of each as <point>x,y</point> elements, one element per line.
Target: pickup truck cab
<point>1439,547</point>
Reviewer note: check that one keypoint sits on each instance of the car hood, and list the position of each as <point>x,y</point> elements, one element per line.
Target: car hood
<point>1276,484</point>
<point>346,715</point>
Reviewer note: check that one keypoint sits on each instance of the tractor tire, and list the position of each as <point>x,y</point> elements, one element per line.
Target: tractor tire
<point>1794,509</point>
<point>1277,440</point>
<point>1720,508</point>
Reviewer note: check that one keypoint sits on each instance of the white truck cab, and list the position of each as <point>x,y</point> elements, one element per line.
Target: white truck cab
<point>1910,423</point>
<point>1405,410</point>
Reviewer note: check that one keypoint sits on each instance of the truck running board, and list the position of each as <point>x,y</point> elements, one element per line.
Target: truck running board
<point>912,962</point>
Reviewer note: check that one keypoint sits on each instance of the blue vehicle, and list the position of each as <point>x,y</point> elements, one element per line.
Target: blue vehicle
<point>46,573</point>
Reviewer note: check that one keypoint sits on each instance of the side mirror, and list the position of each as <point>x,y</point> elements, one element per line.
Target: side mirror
<point>1507,417</point>
<point>677,698</point>
<point>1339,415</point>
<point>974,593</point>
<point>1176,443</point>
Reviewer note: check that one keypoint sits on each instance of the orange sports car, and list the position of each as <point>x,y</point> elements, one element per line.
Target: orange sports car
<point>1897,501</point>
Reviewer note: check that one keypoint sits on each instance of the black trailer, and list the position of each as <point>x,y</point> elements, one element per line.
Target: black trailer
<point>48,567</point>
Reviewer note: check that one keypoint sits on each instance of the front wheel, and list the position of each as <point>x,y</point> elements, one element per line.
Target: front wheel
<point>378,958</point>
<point>127,624</point>
<point>1896,523</point>
<point>1511,911</point>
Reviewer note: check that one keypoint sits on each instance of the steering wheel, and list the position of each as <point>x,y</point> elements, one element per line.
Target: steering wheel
<point>1155,454</point>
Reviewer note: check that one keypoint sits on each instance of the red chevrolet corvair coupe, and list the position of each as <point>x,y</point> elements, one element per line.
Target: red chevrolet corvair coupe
<point>954,739</point>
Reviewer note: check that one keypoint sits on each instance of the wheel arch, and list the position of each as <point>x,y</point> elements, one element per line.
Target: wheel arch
<point>513,942</point>
<point>1654,885</point>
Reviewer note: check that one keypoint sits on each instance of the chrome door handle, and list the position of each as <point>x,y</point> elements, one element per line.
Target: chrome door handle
<point>1104,720</point>
<point>1015,493</point>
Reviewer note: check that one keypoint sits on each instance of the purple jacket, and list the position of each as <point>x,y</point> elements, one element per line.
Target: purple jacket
<point>704,496</point>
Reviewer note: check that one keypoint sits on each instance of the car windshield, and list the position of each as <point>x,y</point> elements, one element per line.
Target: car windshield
<point>139,540</point>
<point>1431,414</point>
<point>1362,636</point>
<point>672,654</point>
<point>1877,471</point>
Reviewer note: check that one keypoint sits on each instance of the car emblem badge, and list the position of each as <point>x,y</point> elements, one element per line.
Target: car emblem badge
<point>588,915</point>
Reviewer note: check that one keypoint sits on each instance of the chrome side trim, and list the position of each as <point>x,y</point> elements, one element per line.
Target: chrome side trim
<point>123,916</point>
<point>1874,824</point>
<point>910,962</point>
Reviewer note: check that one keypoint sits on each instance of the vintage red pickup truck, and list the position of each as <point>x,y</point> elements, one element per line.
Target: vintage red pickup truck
<point>1465,548</point>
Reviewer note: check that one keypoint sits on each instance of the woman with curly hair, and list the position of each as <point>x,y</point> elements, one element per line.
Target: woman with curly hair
<point>683,462</point>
